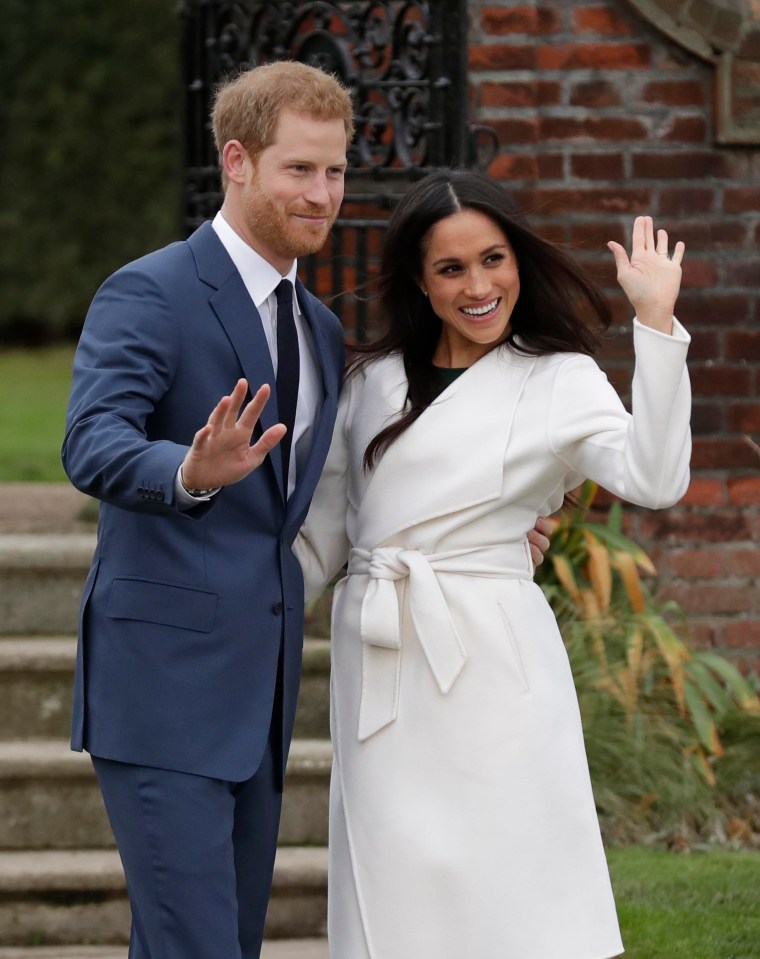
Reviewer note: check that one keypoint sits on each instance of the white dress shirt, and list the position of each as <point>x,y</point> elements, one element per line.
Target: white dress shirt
<point>261,280</point>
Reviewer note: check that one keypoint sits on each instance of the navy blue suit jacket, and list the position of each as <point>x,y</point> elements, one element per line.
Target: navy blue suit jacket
<point>184,610</point>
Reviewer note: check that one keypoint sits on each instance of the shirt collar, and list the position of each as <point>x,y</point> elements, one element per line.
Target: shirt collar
<point>260,277</point>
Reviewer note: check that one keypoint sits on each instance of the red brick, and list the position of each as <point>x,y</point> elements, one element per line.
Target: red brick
<point>515,131</point>
<point>705,345</point>
<point>691,526</point>
<point>707,418</point>
<point>679,165</point>
<point>744,418</point>
<point>741,199</point>
<point>552,202</point>
<point>708,233</point>
<point>684,130</point>
<point>527,94</point>
<point>597,128</point>
<point>601,20</point>
<point>743,344</point>
<point>742,273</point>
<point>688,200</point>
<point>501,56</point>
<point>595,93</point>
<point>743,633</point>
<point>597,235</point>
<point>500,20</point>
<point>713,599</point>
<point>594,56</point>
<point>550,166</point>
<point>744,490</point>
<point>514,166</point>
<point>705,492</point>
<point>721,381</point>
<point>675,93</point>
<point>743,562</point>
<point>696,563</point>
<point>714,308</point>
<point>721,454</point>
<point>553,232</point>
<point>699,273</point>
<point>598,166</point>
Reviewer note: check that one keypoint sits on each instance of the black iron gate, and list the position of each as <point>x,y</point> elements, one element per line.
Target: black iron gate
<point>405,64</point>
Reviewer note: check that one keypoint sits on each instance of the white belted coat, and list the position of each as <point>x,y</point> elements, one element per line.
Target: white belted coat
<point>462,819</point>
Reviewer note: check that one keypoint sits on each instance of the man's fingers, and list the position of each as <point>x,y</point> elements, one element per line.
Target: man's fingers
<point>201,437</point>
<point>678,252</point>
<point>236,400</point>
<point>250,415</point>
<point>266,442</point>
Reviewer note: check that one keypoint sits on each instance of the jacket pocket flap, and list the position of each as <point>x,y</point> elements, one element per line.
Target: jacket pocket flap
<point>166,604</point>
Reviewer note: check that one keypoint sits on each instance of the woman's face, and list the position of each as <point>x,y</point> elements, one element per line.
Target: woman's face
<point>470,274</point>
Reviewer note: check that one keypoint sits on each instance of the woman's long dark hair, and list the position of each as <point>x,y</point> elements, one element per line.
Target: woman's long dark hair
<point>553,313</point>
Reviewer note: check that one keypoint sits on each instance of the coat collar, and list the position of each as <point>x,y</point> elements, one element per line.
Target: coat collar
<point>468,426</point>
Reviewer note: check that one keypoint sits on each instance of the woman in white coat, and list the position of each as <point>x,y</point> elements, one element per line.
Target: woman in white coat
<point>462,819</point>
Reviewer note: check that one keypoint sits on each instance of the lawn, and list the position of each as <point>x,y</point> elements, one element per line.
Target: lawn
<point>34,389</point>
<point>700,905</point>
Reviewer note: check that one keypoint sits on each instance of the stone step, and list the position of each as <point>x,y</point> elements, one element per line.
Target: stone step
<point>79,898</point>
<point>36,675</point>
<point>42,577</point>
<point>49,797</point>
<point>272,949</point>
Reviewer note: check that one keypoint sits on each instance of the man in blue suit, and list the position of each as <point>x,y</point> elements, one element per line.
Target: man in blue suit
<point>192,616</point>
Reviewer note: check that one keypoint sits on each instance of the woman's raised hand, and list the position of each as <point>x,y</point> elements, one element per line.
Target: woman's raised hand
<point>651,278</point>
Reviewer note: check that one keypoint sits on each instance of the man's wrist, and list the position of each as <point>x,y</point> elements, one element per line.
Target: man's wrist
<point>191,491</point>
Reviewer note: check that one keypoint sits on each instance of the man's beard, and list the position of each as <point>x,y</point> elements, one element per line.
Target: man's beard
<point>279,231</point>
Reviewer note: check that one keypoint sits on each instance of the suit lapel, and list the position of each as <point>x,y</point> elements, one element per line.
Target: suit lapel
<point>230,301</point>
<point>452,457</point>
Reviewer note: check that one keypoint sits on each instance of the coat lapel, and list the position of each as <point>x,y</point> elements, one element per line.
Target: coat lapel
<point>241,321</point>
<point>452,457</point>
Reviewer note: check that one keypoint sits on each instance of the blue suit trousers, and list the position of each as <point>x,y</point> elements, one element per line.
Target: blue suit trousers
<point>198,855</point>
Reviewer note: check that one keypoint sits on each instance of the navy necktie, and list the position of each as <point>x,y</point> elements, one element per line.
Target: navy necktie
<point>288,371</point>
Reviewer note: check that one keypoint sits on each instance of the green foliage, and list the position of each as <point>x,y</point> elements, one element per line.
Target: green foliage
<point>90,166</point>
<point>664,722</point>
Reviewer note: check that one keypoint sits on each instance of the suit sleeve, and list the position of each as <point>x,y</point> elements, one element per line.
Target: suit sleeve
<point>642,456</point>
<point>123,366</point>
<point>322,544</point>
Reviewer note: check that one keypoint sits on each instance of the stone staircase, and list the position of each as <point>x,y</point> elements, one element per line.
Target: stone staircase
<point>61,886</point>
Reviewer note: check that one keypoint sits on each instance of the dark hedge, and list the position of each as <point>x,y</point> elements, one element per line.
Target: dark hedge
<point>91,156</point>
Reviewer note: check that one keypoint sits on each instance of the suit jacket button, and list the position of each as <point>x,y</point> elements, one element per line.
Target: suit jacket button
<point>140,491</point>
<point>277,608</point>
<point>160,495</point>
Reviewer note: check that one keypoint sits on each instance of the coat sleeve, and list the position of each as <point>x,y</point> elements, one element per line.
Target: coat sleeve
<point>123,366</point>
<point>322,544</point>
<point>642,456</point>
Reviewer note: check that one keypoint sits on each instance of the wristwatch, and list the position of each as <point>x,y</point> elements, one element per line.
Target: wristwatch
<point>195,492</point>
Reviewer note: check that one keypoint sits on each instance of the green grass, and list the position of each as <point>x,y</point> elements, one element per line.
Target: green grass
<point>34,389</point>
<point>701,905</point>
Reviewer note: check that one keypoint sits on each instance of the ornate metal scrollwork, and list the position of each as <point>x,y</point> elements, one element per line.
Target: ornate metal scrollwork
<point>404,62</point>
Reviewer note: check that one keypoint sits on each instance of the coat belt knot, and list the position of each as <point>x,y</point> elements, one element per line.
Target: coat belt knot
<point>380,622</point>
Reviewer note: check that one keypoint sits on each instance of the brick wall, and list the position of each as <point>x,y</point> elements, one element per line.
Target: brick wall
<point>601,117</point>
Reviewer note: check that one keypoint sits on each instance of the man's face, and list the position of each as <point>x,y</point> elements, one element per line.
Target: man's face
<point>294,188</point>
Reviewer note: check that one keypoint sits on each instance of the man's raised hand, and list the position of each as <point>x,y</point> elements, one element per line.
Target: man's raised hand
<point>221,453</point>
